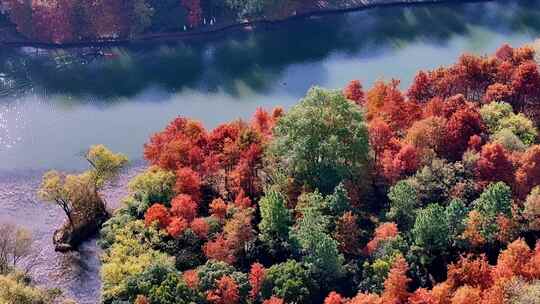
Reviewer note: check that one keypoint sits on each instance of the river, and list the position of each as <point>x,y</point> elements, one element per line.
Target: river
<point>55,103</point>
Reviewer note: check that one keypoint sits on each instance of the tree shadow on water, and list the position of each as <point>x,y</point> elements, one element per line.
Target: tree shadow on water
<point>255,59</point>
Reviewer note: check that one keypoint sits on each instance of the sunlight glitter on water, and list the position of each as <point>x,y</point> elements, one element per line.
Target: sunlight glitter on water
<point>11,124</point>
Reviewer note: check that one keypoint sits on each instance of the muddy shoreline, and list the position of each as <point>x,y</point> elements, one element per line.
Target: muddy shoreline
<point>223,28</point>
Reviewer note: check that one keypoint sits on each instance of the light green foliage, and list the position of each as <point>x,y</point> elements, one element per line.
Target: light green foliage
<point>520,125</point>
<point>431,231</point>
<point>290,281</point>
<point>508,140</point>
<point>52,187</point>
<point>129,256</point>
<point>493,113</point>
<point>494,201</point>
<point>105,164</point>
<point>403,204</point>
<point>275,220</point>
<point>310,206</point>
<point>389,248</point>
<point>13,289</point>
<point>455,213</point>
<point>111,228</point>
<point>311,236</point>
<point>155,184</point>
<point>78,195</point>
<point>173,290</point>
<point>136,206</point>
<point>213,270</point>
<point>321,141</point>
<point>325,259</point>
<point>500,116</point>
<point>312,201</point>
<point>75,194</point>
<point>374,274</point>
<point>331,206</point>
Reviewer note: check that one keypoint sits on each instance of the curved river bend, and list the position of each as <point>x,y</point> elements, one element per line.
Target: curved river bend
<point>56,103</point>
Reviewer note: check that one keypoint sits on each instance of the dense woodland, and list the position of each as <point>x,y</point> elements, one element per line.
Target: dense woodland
<point>424,196</point>
<point>62,21</point>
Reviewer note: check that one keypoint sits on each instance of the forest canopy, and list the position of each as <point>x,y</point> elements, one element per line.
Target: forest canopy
<point>429,195</point>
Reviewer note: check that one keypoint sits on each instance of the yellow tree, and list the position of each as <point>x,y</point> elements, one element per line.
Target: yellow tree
<point>75,193</point>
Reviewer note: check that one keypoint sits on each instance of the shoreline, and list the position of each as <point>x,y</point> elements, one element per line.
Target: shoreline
<point>246,25</point>
<point>75,273</point>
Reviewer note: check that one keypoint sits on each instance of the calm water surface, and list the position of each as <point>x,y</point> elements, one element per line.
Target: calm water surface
<point>56,103</point>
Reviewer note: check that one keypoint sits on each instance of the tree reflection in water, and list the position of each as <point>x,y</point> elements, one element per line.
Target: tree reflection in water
<point>256,59</point>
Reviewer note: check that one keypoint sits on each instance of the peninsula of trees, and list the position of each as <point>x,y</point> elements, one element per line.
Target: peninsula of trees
<point>424,196</point>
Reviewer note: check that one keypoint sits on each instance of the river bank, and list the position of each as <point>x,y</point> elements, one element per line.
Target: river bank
<point>10,38</point>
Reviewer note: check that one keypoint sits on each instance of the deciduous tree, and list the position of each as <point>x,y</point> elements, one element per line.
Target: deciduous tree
<point>385,231</point>
<point>257,275</point>
<point>347,233</point>
<point>431,230</point>
<point>177,226</point>
<point>323,140</point>
<point>531,210</point>
<point>334,298</point>
<point>395,286</point>
<point>184,206</point>
<point>226,292</point>
<point>403,203</point>
<point>159,214</point>
<point>353,91</point>
<point>275,220</point>
<point>495,164</point>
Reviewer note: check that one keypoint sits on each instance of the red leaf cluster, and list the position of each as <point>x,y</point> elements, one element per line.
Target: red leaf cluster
<point>353,91</point>
<point>226,292</point>
<point>385,231</point>
<point>257,274</point>
<point>229,157</point>
<point>157,213</point>
<point>177,226</point>
<point>184,206</point>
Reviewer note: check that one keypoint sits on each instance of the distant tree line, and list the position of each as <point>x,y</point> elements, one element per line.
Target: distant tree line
<point>60,21</point>
<point>384,196</point>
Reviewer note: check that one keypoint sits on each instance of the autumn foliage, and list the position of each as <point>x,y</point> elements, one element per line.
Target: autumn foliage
<point>353,91</point>
<point>68,21</point>
<point>157,213</point>
<point>384,232</point>
<point>228,157</point>
<point>454,161</point>
<point>226,292</point>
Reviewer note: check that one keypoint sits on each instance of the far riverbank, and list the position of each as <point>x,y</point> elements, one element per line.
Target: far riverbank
<point>10,38</point>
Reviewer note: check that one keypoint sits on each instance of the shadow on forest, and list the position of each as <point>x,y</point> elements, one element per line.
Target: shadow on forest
<point>255,58</point>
